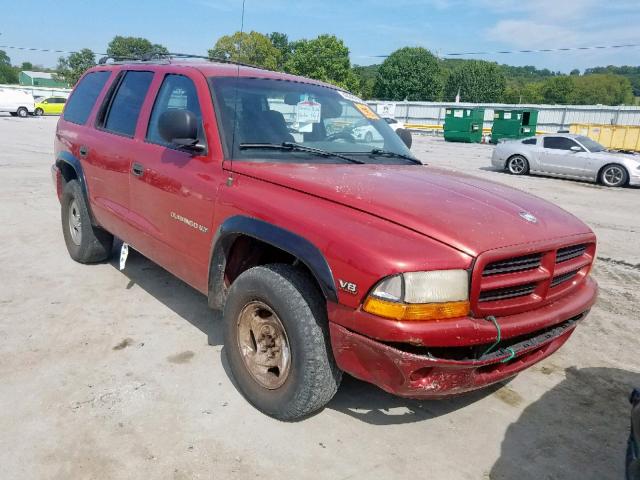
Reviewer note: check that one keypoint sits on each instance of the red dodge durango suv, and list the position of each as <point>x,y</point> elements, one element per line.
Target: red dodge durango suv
<point>326,253</point>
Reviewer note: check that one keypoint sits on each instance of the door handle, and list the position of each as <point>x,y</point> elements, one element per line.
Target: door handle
<point>137,169</point>
<point>84,151</point>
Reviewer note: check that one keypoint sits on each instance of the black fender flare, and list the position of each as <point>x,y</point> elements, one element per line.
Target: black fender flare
<point>290,242</point>
<point>73,162</point>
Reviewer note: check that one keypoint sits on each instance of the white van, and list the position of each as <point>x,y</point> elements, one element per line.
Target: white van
<point>17,102</point>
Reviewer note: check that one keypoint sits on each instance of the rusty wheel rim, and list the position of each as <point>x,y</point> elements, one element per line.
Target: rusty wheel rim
<point>263,345</point>
<point>75,223</point>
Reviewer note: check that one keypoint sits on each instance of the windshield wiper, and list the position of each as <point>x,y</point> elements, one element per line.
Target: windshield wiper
<point>388,153</point>
<point>298,148</point>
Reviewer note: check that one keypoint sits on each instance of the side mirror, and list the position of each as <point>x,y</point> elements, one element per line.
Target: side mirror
<point>405,136</point>
<point>180,128</point>
<point>576,149</point>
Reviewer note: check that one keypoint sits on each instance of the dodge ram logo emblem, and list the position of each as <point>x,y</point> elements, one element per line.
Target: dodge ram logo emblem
<point>528,217</point>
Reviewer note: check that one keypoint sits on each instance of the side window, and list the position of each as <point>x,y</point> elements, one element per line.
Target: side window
<point>177,92</point>
<point>559,143</point>
<point>84,97</point>
<point>126,103</point>
<point>529,141</point>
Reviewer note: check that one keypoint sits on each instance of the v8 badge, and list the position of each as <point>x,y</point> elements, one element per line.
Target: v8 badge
<point>348,287</point>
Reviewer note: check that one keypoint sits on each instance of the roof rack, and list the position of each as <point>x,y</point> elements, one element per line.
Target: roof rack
<point>167,58</point>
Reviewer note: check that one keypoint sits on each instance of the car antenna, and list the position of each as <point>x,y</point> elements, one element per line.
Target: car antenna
<point>235,107</point>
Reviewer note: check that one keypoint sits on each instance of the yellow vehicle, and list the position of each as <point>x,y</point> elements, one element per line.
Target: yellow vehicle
<point>50,106</point>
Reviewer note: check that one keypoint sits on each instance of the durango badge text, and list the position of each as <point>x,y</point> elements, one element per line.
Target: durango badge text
<point>189,222</point>
<point>319,262</point>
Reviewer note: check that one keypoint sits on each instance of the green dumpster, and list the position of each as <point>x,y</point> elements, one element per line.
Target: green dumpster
<point>514,124</point>
<point>463,124</point>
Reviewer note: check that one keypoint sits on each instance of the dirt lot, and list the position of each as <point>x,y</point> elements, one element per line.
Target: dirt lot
<point>109,374</point>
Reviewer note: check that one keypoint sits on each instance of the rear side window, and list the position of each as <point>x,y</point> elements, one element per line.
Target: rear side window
<point>125,106</point>
<point>559,143</point>
<point>529,141</point>
<point>84,97</point>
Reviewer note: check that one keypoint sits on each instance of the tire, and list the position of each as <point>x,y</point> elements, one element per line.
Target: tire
<point>85,242</point>
<point>368,137</point>
<point>306,376</point>
<point>22,112</point>
<point>613,175</point>
<point>38,112</point>
<point>405,135</point>
<point>517,165</point>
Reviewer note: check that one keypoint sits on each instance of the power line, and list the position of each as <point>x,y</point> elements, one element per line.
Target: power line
<point>539,50</point>
<point>47,50</point>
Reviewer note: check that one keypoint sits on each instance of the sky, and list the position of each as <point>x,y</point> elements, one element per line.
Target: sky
<point>370,28</point>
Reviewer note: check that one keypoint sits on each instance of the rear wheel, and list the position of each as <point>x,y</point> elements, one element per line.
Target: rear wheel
<point>277,342</point>
<point>518,165</point>
<point>85,242</point>
<point>38,112</point>
<point>614,176</point>
<point>22,112</point>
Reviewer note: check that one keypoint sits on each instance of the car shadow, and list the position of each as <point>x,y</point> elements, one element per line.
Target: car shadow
<point>185,301</point>
<point>368,403</point>
<point>577,430</point>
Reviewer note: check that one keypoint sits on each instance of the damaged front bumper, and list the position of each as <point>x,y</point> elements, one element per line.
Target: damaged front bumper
<point>423,371</point>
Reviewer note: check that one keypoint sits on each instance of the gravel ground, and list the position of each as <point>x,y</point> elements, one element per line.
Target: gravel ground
<point>108,374</point>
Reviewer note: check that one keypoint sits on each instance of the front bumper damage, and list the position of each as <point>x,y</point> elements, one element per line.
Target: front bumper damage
<point>420,370</point>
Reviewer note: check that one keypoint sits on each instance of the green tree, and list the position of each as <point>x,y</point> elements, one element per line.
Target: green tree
<point>575,71</point>
<point>8,74</point>
<point>71,68</point>
<point>324,58</point>
<point>518,92</point>
<point>281,42</point>
<point>253,48</point>
<point>558,90</point>
<point>413,73</point>
<point>477,81</point>
<point>606,89</point>
<point>4,58</point>
<point>134,47</point>
<point>366,80</point>
<point>26,66</point>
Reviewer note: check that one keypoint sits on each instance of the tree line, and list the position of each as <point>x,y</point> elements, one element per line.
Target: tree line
<point>410,73</point>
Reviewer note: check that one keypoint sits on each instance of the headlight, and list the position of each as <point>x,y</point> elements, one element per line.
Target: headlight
<point>429,295</point>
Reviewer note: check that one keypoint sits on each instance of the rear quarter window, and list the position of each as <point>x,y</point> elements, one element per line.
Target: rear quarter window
<point>529,141</point>
<point>84,97</point>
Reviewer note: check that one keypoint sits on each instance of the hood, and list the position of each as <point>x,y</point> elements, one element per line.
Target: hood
<point>467,213</point>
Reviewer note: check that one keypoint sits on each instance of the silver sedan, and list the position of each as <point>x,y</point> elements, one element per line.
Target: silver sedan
<point>568,156</point>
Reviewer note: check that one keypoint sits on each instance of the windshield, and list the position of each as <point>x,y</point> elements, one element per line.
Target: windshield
<point>255,111</point>
<point>590,145</point>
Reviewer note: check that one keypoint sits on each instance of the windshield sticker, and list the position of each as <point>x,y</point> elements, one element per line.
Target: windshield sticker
<point>350,96</point>
<point>366,111</point>
<point>308,111</point>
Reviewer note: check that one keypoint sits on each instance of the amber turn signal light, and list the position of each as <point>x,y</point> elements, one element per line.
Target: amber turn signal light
<point>415,311</point>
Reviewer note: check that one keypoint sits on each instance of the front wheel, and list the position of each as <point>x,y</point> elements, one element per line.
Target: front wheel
<point>38,112</point>
<point>85,242</point>
<point>22,112</point>
<point>276,341</point>
<point>614,176</point>
<point>518,165</point>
